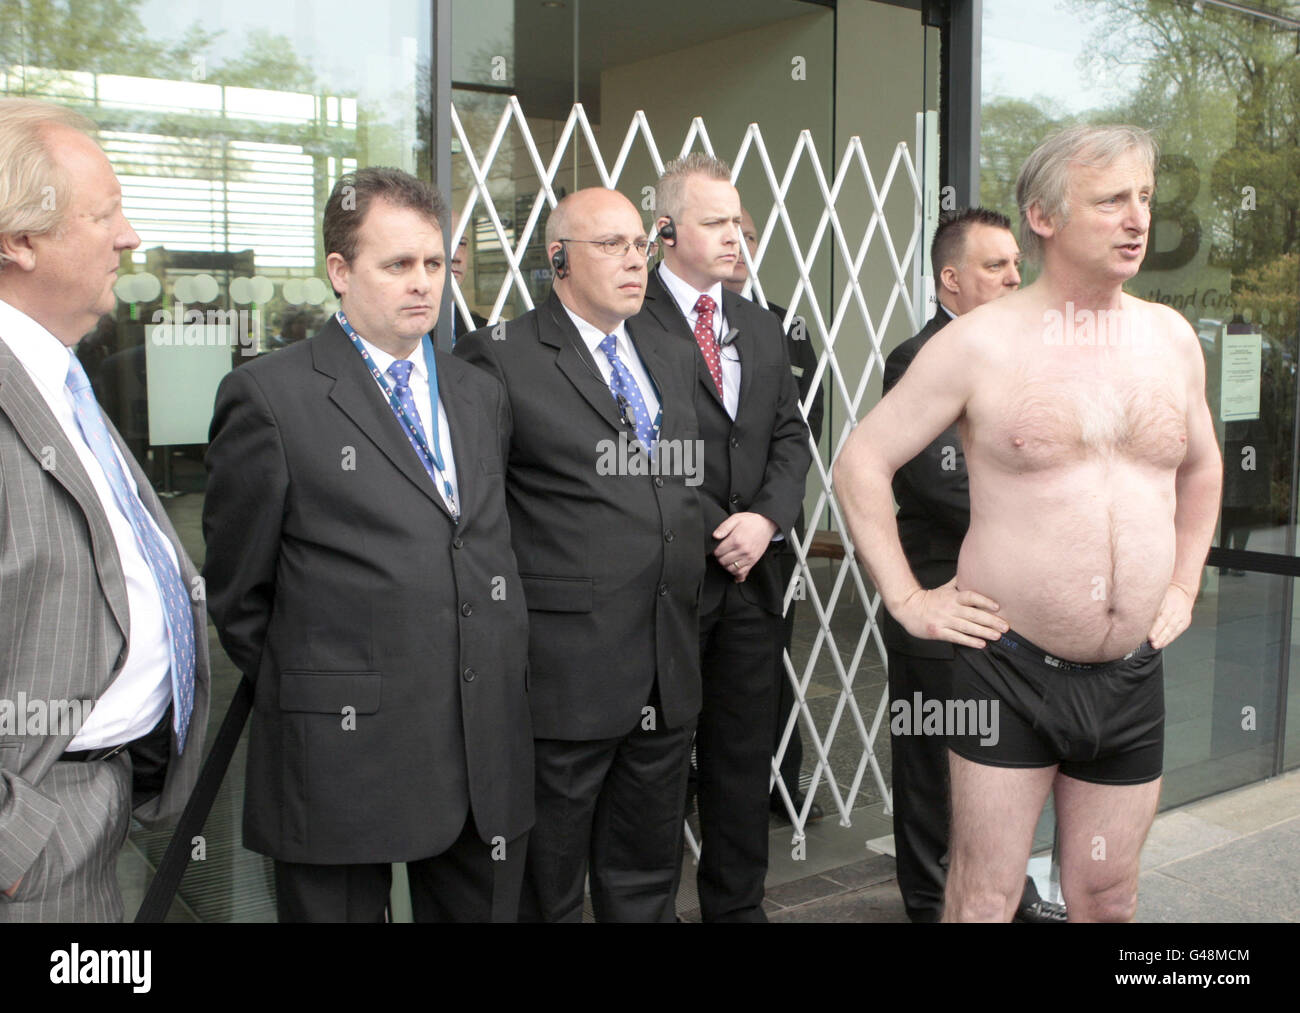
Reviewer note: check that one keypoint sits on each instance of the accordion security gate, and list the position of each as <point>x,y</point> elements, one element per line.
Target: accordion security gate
<point>848,316</point>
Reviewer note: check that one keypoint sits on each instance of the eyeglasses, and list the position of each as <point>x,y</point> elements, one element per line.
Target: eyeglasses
<point>619,247</point>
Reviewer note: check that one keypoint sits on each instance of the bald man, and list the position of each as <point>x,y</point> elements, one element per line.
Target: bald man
<point>601,479</point>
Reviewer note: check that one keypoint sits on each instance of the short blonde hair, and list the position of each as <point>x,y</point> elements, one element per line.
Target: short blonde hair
<point>29,175</point>
<point>1045,177</point>
<point>672,184</point>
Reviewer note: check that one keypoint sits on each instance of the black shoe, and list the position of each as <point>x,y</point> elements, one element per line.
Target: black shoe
<point>815,812</point>
<point>1040,912</point>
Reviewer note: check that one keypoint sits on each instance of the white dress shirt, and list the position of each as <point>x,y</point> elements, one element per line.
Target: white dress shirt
<point>592,336</point>
<point>729,355</point>
<point>135,701</point>
<point>419,382</point>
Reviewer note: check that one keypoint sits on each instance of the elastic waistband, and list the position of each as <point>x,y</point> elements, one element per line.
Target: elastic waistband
<point>1014,643</point>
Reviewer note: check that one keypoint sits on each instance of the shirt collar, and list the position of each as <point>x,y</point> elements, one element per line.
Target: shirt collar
<point>945,309</point>
<point>685,295</point>
<point>43,355</point>
<point>592,335</point>
<point>383,360</point>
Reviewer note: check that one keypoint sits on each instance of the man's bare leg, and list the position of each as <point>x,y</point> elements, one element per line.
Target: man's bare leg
<point>994,812</point>
<point>1102,828</point>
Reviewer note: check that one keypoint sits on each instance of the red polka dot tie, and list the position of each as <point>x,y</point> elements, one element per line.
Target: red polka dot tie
<point>704,307</point>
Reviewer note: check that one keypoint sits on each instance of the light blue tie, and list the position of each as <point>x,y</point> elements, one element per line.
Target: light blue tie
<point>623,386</point>
<point>171,589</point>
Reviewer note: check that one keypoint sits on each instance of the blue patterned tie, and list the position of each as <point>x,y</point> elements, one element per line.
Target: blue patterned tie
<point>400,371</point>
<point>622,385</point>
<point>171,589</point>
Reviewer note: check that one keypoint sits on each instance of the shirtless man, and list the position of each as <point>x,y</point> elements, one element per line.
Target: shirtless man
<point>1094,481</point>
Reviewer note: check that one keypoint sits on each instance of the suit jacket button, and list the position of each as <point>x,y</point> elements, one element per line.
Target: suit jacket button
<point>456,542</point>
<point>669,536</point>
<point>470,675</point>
<point>735,499</point>
<point>659,482</point>
<point>467,609</point>
<point>735,441</point>
<point>663,590</point>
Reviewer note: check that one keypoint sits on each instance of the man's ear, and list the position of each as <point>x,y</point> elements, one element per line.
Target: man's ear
<point>17,248</point>
<point>1039,222</point>
<point>338,270</point>
<point>948,279</point>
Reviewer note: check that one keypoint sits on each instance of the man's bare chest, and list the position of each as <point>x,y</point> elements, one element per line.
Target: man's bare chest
<point>1057,413</point>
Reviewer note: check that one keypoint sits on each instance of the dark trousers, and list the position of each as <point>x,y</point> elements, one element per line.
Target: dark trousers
<point>793,759</point>
<point>733,751</point>
<point>469,882</point>
<point>920,786</point>
<point>611,808</point>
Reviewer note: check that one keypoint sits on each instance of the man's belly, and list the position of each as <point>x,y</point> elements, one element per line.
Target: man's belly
<point>1079,572</point>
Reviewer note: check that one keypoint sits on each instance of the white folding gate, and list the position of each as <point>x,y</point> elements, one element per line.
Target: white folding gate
<point>847,319</point>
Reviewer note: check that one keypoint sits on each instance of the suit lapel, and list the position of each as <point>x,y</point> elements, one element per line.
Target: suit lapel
<point>360,399</point>
<point>45,440</point>
<point>574,361</point>
<point>663,307</point>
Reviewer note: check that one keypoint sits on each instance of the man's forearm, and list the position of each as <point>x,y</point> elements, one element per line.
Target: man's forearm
<point>1195,516</point>
<point>864,493</point>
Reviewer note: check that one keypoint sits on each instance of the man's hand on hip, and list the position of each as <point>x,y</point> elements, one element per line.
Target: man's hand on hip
<point>14,889</point>
<point>1175,615</point>
<point>945,613</point>
<point>743,538</point>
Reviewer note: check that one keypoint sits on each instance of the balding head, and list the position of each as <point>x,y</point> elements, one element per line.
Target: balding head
<point>602,287</point>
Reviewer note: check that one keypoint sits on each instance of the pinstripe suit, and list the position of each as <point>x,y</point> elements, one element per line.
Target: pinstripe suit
<point>64,632</point>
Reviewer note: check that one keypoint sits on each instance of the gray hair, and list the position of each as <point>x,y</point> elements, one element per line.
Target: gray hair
<point>669,189</point>
<point>34,189</point>
<point>1045,177</point>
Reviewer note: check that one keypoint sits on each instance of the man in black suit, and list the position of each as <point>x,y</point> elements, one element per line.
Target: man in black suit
<point>359,570</point>
<point>975,259</point>
<point>803,364</point>
<point>756,456</point>
<point>459,325</point>
<point>607,538</point>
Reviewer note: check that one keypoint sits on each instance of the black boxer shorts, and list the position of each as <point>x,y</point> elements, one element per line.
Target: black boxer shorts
<point>1102,722</point>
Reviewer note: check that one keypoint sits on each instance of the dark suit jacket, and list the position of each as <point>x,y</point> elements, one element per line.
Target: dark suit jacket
<point>386,641</point>
<point>757,463</point>
<point>803,364</point>
<point>933,493</point>
<point>610,562</point>
<point>64,636</point>
<point>459,327</point>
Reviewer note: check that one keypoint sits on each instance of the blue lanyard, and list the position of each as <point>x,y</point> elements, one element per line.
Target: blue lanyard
<point>431,454</point>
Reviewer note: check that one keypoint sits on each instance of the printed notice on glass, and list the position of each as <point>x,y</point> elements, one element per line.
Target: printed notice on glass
<point>1239,387</point>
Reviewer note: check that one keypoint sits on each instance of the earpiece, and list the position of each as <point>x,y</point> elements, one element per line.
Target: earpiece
<point>668,232</point>
<point>560,262</point>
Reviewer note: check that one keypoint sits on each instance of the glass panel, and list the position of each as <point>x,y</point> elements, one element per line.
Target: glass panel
<point>226,144</point>
<point>1219,89</point>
